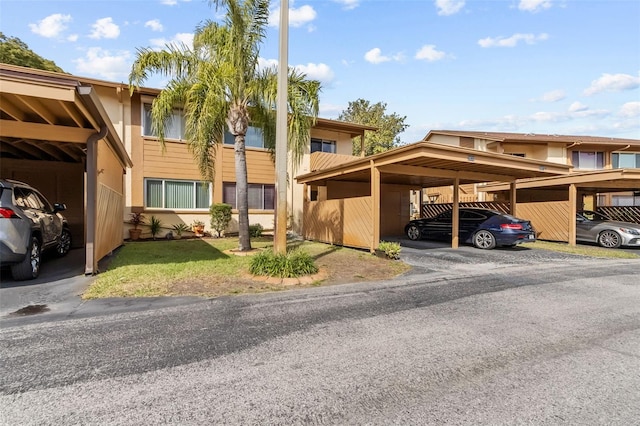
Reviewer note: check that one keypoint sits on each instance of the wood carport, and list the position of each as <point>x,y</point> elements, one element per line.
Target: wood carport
<point>51,118</point>
<point>352,211</point>
<point>569,189</point>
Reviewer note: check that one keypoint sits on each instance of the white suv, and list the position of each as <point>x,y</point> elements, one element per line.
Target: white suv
<point>28,226</point>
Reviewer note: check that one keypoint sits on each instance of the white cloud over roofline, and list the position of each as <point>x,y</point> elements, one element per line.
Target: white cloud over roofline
<point>613,83</point>
<point>51,26</point>
<point>630,110</point>
<point>512,41</point>
<point>104,28</point>
<point>109,65</point>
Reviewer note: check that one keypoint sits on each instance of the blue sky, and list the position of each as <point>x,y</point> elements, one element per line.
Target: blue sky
<point>528,66</point>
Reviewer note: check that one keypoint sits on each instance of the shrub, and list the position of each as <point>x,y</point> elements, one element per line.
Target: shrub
<point>137,218</point>
<point>255,231</point>
<point>180,228</point>
<point>154,226</point>
<point>293,264</point>
<point>390,249</point>
<point>220,217</point>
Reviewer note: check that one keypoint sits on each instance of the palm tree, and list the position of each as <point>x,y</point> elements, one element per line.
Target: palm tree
<point>219,82</point>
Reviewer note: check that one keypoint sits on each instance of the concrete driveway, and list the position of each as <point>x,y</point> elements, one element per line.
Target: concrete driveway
<point>59,286</point>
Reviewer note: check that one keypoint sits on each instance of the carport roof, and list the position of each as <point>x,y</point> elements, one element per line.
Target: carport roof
<point>428,164</point>
<point>612,180</point>
<point>50,116</point>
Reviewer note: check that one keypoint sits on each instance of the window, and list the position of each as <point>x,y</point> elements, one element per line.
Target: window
<point>321,145</point>
<point>254,138</point>
<point>625,160</point>
<point>173,128</point>
<point>587,160</point>
<point>177,194</point>
<point>261,196</point>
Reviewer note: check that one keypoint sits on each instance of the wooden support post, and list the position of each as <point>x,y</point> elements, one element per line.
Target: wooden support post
<point>375,207</point>
<point>573,207</point>
<point>455,214</point>
<point>513,199</point>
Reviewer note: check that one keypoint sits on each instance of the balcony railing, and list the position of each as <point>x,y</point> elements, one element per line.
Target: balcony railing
<point>325,160</point>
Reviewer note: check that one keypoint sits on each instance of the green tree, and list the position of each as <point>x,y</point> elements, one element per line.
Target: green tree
<point>14,51</point>
<point>218,82</point>
<point>389,126</point>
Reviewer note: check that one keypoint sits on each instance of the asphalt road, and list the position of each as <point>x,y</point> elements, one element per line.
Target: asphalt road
<point>468,337</point>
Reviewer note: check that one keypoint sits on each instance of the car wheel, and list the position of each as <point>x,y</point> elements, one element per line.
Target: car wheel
<point>484,240</point>
<point>413,232</point>
<point>609,239</point>
<point>64,244</point>
<point>29,268</point>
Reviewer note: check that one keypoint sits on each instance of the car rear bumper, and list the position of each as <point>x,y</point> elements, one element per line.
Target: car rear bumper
<point>515,238</point>
<point>8,256</point>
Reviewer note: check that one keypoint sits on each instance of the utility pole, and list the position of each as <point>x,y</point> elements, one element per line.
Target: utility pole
<point>280,237</point>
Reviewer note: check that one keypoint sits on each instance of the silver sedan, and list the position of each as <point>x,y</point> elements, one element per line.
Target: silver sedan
<point>594,227</point>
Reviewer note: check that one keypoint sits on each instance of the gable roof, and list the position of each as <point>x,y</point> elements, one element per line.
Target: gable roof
<point>537,138</point>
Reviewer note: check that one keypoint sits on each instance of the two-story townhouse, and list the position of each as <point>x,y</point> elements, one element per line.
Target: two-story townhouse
<point>165,181</point>
<point>583,153</point>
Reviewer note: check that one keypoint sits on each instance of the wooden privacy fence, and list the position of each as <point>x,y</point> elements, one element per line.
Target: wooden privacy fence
<point>346,222</point>
<point>622,213</point>
<point>550,219</point>
<point>109,225</point>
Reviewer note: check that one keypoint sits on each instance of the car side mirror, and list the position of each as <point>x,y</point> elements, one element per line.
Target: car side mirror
<point>58,207</point>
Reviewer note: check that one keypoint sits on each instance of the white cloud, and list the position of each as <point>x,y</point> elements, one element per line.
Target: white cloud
<point>154,24</point>
<point>179,38</point>
<point>513,40</point>
<point>430,53</point>
<point>112,66</point>
<point>578,107</point>
<point>169,2</point>
<point>613,83</point>
<point>630,110</point>
<point>375,56</point>
<point>267,63</point>
<point>297,17</point>
<point>534,5</point>
<point>72,37</point>
<point>349,4</point>
<point>449,7</point>
<point>553,96</point>
<point>320,72</point>
<point>104,28</point>
<point>51,26</point>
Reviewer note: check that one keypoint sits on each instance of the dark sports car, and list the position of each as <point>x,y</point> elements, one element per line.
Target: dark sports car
<point>483,228</point>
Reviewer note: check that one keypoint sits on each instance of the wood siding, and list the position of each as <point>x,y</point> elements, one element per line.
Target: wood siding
<point>342,222</point>
<point>260,167</point>
<point>176,162</point>
<point>324,160</point>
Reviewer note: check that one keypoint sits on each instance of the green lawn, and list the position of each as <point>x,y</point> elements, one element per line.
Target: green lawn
<point>204,267</point>
<point>584,250</point>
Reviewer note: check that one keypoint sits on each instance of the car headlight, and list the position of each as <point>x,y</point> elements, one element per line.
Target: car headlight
<point>630,231</point>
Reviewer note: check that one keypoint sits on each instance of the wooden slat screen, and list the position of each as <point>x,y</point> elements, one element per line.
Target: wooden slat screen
<point>324,160</point>
<point>622,213</point>
<point>343,222</point>
<point>550,219</point>
<point>109,226</point>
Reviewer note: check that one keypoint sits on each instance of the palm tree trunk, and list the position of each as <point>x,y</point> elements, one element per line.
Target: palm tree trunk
<point>242,193</point>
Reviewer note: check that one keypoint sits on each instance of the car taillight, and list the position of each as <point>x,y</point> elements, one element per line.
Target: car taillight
<point>7,213</point>
<point>511,226</point>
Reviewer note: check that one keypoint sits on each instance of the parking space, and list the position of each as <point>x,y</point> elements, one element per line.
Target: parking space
<point>60,284</point>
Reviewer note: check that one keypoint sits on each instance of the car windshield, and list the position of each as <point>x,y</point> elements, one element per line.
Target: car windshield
<point>594,216</point>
